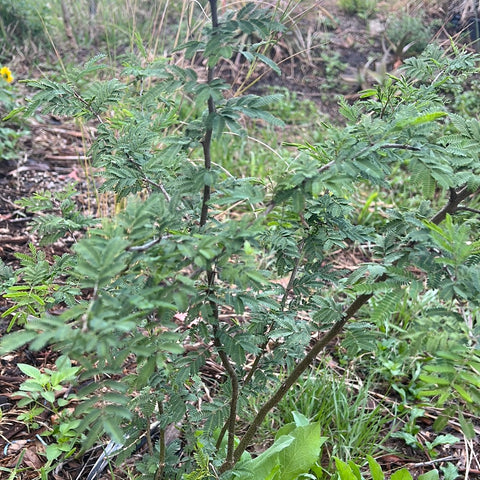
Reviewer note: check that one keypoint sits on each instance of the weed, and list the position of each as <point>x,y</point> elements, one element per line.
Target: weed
<point>362,8</point>
<point>351,471</point>
<point>410,431</point>
<point>352,421</point>
<point>40,393</point>
<point>407,35</point>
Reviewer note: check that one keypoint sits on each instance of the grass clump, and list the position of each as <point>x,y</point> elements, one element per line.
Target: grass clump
<point>408,35</point>
<point>23,21</point>
<point>362,8</point>
<point>355,423</point>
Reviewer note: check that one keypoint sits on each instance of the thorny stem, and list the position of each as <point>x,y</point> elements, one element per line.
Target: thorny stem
<point>450,208</point>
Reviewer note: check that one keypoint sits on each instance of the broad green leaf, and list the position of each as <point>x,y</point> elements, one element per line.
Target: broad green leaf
<point>432,475</point>
<point>402,474</point>
<point>263,465</point>
<point>302,452</point>
<point>285,430</point>
<point>450,472</point>
<point>52,452</point>
<point>300,419</point>
<point>294,453</point>
<point>375,469</point>
<point>344,470</point>
<point>33,385</point>
<point>273,473</point>
<point>463,393</point>
<point>467,426</point>
<point>31,371</point>
<point>445,440</point>
<point>49,396</point>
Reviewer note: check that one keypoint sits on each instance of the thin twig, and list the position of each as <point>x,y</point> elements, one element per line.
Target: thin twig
<point>207,140</point>
<point>401,146</point>
<point>432,462</point>
<point>89,107</point>
<point>468,209</point>
<point>160,187</point>
<point>145,246</point>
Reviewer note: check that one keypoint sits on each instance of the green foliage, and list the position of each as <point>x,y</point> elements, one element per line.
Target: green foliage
<point>295,450</point>
<point>60,215</point>
<point>351,471</point>
<point>407,35</point>
<point>362,8</point>
<point>410,435</point>
<point>334,66</point>
<point>8,139</point>
<point>221,41</point>
<point>353,429</point>
<point>35,288</point>
<point>7,275</point>
<point>40,392</point>
<point>186,274</point>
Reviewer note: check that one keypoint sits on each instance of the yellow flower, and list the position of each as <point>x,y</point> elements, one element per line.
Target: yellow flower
<point>6,74</point>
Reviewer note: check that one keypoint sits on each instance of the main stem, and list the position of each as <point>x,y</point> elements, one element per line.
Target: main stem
<point>207,139</point>
<point>206,144</point>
